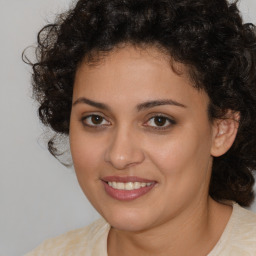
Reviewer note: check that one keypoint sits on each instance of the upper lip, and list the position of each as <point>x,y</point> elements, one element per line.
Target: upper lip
<point>125,179</point>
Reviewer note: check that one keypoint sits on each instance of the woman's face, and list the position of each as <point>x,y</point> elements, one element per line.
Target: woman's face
<point>140,139</point>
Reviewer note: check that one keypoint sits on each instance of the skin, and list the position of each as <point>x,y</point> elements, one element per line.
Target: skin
<point>126,140</point>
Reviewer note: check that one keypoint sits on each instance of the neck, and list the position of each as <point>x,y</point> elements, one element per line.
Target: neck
<point>194,232</point>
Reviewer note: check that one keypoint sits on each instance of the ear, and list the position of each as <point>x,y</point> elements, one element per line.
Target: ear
<point>224,133</point>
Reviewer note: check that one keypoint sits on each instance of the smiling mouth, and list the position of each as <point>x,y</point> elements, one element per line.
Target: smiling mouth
<point>127,188</point>
<point>129,185</point>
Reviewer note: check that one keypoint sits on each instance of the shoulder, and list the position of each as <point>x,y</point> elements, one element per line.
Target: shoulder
<point>245,217</point>
<point>239,237</point>
<point>244,227</point>
<point>77,242</point>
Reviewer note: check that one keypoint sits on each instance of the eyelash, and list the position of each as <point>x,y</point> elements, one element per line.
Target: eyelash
<point>165,118</point>
<point>97,126</point>
<point>85,118</point>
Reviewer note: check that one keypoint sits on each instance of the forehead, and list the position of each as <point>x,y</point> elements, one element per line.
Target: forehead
<point>141,56</point>
<point>135,74</point>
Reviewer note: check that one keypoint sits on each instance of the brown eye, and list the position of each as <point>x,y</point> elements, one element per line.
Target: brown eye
<point>160,122</point>
<point>95,121</point>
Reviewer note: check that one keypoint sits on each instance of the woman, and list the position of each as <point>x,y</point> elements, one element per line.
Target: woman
<point>158,98</point>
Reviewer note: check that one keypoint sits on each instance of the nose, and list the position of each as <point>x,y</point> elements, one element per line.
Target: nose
<point>124,150</point>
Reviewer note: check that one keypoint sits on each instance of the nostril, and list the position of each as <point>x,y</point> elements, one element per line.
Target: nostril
<point>123,151</point>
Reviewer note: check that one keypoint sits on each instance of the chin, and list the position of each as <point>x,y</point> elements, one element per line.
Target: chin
<point>129,220</point>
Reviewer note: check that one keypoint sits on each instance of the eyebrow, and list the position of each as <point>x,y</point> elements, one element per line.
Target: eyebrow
<point>140,107</point>
<point>155,103</point>
<point>91,103</point>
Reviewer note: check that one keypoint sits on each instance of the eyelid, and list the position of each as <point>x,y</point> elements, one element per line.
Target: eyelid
<point>155,115</point>
<point>89,115</point>
<point>171,121</point>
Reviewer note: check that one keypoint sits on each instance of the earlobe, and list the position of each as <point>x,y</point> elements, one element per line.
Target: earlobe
<point>225,131</point>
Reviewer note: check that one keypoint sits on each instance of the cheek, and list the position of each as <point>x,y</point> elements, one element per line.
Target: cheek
<point>184,163</point>
<point>184,156</point>
<point>86,157</point>
<point>85,154</point>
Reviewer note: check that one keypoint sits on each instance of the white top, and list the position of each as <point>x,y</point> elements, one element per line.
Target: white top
<point>238,239</point>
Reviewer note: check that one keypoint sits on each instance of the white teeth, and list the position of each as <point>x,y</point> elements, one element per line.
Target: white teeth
<point>143,184</point>
<point>136,185</point>
<point>119,185</point>
<point>128,185</point>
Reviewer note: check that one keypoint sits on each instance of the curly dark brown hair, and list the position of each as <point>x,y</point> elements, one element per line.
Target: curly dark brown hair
<point>208,37</point>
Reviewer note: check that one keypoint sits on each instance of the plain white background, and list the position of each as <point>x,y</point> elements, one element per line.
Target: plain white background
<point>39,198</point>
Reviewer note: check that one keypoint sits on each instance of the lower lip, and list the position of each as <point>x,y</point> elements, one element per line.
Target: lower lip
<point>127,195</point>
